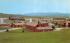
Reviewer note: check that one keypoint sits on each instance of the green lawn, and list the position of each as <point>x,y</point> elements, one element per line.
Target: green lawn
<point>35,37</point>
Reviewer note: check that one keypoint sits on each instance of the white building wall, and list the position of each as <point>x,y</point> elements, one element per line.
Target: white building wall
<point>3,20</point>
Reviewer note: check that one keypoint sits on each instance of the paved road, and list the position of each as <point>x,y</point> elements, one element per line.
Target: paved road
<point>2,30</point>
<point>9,29</point>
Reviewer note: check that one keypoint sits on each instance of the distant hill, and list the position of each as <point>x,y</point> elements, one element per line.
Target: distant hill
<point>5,15</point>
<point>49,14</point>
<point>2,15</point>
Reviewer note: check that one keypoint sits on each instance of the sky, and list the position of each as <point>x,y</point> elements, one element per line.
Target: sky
<point>34,6</point>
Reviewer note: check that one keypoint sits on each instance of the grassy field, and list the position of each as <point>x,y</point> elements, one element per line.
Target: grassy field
<point>35,37</point>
